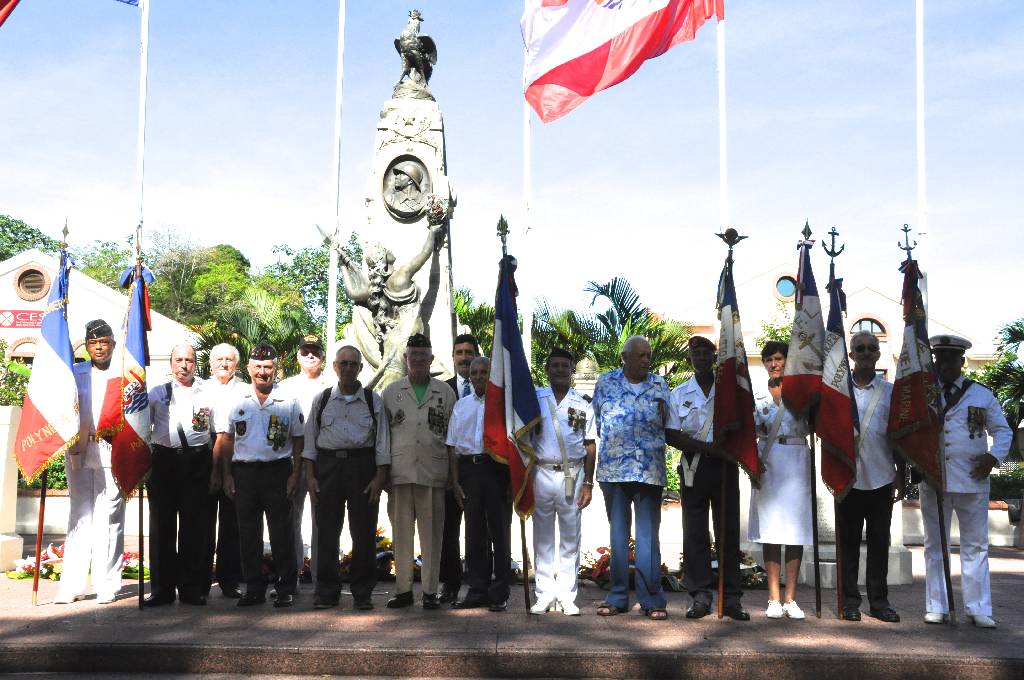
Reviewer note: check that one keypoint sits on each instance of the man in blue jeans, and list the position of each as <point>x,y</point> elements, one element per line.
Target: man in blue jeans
<point>630,409</point>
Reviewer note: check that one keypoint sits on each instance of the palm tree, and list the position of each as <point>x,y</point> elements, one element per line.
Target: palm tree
<point>1005,377</point>
<point>258,318</point>
<point>478,317</point>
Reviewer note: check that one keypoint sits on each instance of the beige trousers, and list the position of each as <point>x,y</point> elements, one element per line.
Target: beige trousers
<point>424,506</point>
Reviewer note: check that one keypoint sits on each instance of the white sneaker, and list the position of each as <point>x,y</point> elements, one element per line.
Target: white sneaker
<point>792,610</point>
<point>774,610</point>
<point>982,621</point>
<point>105,598</point>
<point>67,598</point>
<point>542,606</point>
<point>935,617</point>
<point>569,608</point>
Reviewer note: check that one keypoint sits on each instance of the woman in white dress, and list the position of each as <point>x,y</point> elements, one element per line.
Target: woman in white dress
<point>780,510</point>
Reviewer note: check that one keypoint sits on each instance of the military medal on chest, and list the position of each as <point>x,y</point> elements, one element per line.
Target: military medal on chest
<point>975,421</point>
<point>577,419</point>
<point>435,420</point>
<point>277,431</point>
<point>201,418</point>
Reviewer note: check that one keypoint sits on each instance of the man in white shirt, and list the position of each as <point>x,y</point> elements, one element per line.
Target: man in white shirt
<point>482,484</point>
<point>310,381</point>
<point>563,483</point>
<point>222,529</point>
<point>971,415</point>
<point>96,522</point>
<point>690,428</point>
<point>347,454</point>
<point>465,348</point>
<point>260,439</point>
<point>181,414</point>
<point>878,485</point>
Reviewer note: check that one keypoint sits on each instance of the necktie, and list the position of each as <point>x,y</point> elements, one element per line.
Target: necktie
<point>465,387</point>
<point>947,394</point>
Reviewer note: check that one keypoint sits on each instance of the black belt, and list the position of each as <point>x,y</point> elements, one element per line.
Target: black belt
<point>476,459</point>
<point>202,448</point>
<point>361,452</point>
<point>262,463</point>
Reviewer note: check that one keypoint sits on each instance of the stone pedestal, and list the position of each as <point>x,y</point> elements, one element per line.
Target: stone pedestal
<point>900,568</point>
<point>11,544</point>
<point>407,196</point>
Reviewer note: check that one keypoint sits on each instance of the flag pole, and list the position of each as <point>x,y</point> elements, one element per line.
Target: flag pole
<point>939,494</point>
<point>723,219</point>
<point>922,194</point>
<point>39,537</point>
<point>140,146</point>
<point>527,308</point>
<point>331,331</point>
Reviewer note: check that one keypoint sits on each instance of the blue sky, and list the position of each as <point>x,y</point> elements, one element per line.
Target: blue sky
<point>821,127</point>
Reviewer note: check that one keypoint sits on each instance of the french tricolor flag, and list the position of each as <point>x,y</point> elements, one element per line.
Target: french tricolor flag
<point>837,421</point>
<point>576,48</point>
<point>801,384</point>
<point>511,408</point>
<point>49,413</point>
<point>124,419</point>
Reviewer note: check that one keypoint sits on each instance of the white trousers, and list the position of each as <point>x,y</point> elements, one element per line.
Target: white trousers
<point>556,575</point>
<point>972,511</point>
<point>95,533</point>
<point>412,507</point>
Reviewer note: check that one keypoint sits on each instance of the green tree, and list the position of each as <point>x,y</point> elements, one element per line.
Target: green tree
<point>302,274</point>
<point>778,328</point>
<point>478,317</point>
<point>104,261</point>
<point>14,376</point>
<point>16,237</point>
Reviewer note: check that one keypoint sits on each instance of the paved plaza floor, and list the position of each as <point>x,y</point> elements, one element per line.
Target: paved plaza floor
<point>221,638</point>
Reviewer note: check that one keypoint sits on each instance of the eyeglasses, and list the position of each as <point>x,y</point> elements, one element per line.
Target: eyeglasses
<point>865,348</point>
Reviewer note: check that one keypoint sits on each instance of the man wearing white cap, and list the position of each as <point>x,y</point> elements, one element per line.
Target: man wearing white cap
<point>971,415</point>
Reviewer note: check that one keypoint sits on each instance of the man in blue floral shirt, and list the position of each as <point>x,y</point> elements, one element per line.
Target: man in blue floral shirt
<point>630,409</point>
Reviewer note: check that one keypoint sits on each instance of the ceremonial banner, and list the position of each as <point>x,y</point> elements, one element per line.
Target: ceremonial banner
<point>49,414</point>
<point>801,385</point>
<point>837,421</point>
<point>6,7</point>
<point>734,400</point>
<point>914,418</point>
<point>575,48</point>
<point>124,419</point>
<point>511,408</point>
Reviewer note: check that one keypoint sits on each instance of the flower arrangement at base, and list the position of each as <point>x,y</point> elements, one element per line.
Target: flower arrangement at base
<point>130,567</point>
<point>50,563</point>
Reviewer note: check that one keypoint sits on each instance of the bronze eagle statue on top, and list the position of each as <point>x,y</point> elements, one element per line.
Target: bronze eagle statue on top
<point>419,54</point>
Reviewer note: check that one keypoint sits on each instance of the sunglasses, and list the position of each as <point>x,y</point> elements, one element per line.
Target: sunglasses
<point>865,348</point>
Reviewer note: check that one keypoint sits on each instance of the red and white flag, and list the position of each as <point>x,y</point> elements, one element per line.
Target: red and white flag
<point>576,48</point>
<point>6,7</point>
<point>801,384</point>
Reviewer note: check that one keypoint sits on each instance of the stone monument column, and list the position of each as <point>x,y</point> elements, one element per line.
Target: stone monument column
<point>403,286</point>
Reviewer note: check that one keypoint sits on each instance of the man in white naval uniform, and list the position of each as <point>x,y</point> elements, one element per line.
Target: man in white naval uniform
<point>96,522</point>
<point>305,386</point>
<point>971,414</point>
<point>563,483</point>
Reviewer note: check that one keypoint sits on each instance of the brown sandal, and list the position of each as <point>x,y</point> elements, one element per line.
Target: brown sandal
<point>656,614</point>
<point>609,609</point>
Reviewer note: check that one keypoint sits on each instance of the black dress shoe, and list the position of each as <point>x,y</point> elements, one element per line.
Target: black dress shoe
<point>698,610</point>
<point>364,604</point>
<point>197,600</point>
<point>431,601</point>
<point>158,599</point>
<point>320,602</point>
<point>470,603</point>
<point>736,612</point>
<point>498,606</point>
<point>888,615</point>
<point>251,599</point>
<point>284,600</point>
<point>400,600</point>
<point>231,592</point>
<point>851,614</point>
<point>449,594</point>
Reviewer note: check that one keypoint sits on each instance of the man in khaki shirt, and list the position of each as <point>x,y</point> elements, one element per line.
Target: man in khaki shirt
<point>418,408</point>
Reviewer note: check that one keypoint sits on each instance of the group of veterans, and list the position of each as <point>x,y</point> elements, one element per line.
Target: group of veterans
<point>229,456</point>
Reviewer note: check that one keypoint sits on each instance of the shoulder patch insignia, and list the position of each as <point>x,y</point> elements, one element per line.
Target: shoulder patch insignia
<point>240,428</point>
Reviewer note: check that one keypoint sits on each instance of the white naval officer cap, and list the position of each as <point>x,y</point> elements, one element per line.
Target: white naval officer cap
<point>949,342</point>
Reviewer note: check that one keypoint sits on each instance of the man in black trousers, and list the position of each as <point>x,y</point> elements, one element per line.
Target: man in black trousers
<point>690,428</point>
<point>465,348</point>
<point>182,418</point>
<point>347,455</point>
